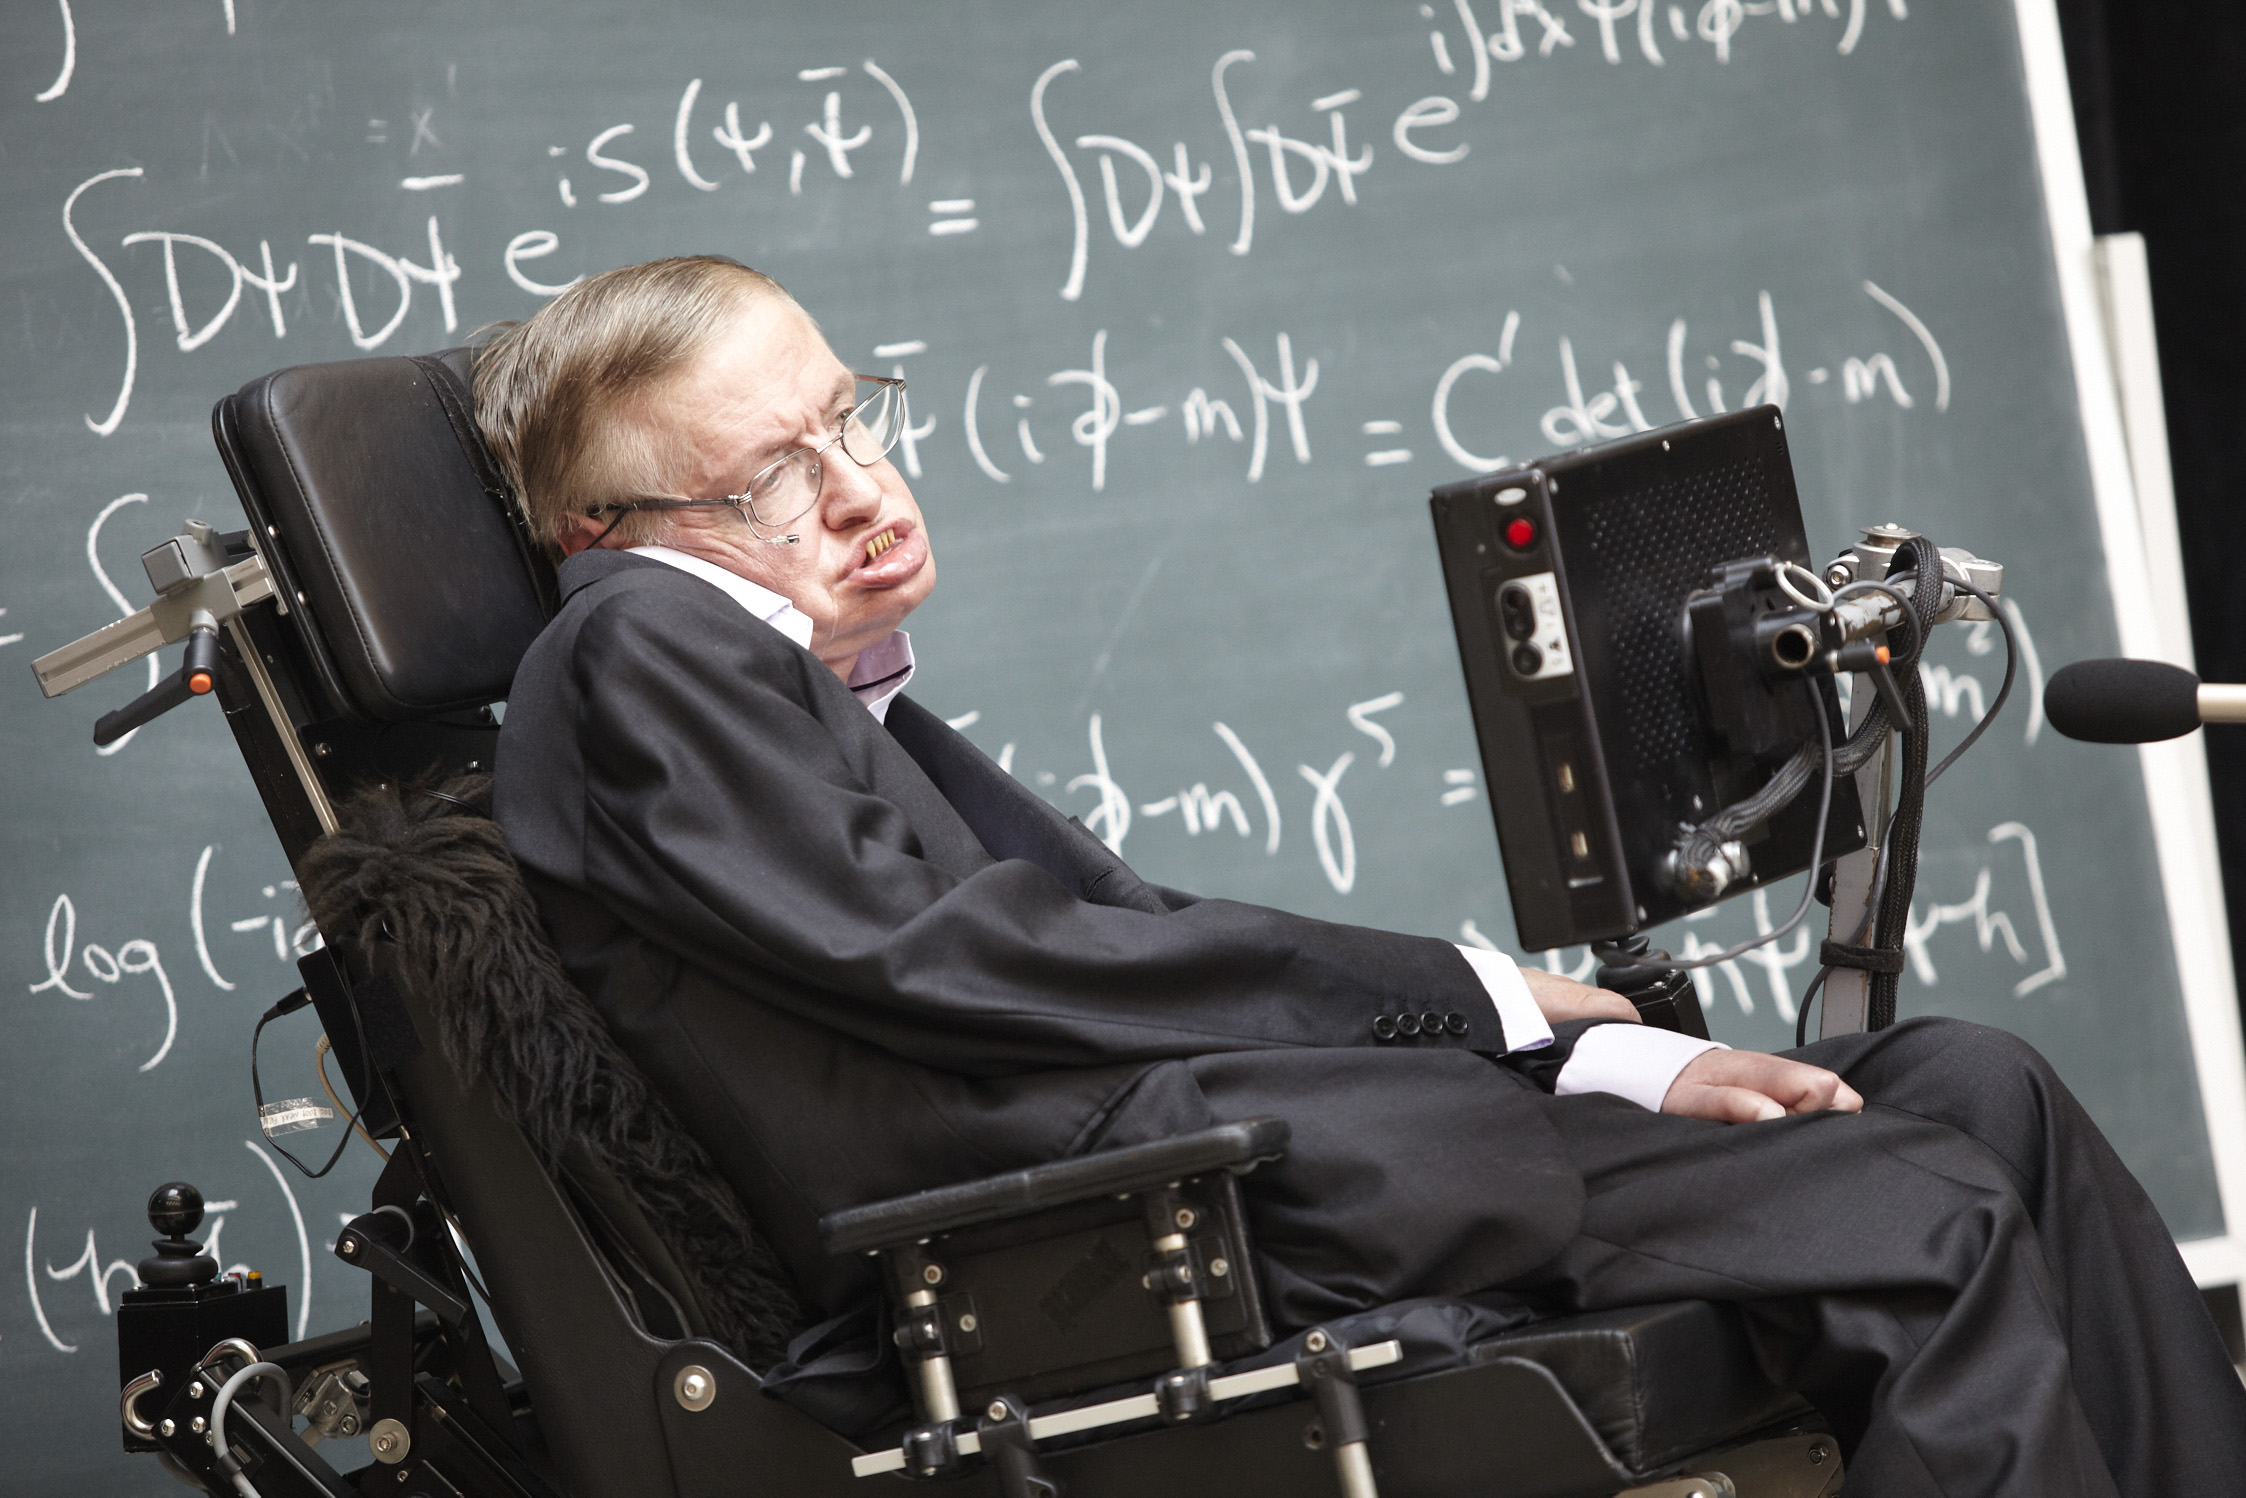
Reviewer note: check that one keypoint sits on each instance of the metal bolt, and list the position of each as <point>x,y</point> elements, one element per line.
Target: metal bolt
<point>932,1274</point>
<point>1218,1268</point>
<point>1315,1342</point>
<point>1185,1218</point>
<point>695,1387</point>
<point>321,750</point>
<point>349,1247</point>
<point>389,1440</point>
<point>195,1389</point>
<point>196,1425</point>
<point>166,1428</point>
<point>349,1425</point>
<point>967,1323</point>
<point>1818,1451</point>
<point>997,1410</point>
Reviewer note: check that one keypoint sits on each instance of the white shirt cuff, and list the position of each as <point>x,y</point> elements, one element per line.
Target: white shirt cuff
<point>1637,1062</point>
<point>1517,1014</point>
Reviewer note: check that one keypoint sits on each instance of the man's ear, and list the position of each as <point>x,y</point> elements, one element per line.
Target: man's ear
<point>579,532</point>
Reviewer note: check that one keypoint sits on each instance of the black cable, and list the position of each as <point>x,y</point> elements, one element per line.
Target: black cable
<point>1816,858</point>
<point>257,1091</point>
<point>2011,667</point>
<point>1893,920</point>
<point>1801,1010</point>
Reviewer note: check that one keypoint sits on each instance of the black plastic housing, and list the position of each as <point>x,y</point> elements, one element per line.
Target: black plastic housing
<point>1594,768</point>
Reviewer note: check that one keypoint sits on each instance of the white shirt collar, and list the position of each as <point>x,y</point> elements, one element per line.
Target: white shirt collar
<point>883,669</point>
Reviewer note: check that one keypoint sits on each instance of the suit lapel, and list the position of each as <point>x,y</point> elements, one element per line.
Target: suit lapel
<point>1010,821</point>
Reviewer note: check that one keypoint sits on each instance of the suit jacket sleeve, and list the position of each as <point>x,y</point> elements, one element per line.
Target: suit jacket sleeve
<point>727,822</point>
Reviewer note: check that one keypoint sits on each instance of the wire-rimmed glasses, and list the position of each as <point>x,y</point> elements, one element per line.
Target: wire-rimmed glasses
<point>786,488</point>
<point>783,490</point>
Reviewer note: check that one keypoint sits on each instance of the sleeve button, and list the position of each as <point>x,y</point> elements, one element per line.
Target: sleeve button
<point>1431,1022</point>
<point>1384,1027</point>
<point>1455,1023</point>
<point>1407,1024</point>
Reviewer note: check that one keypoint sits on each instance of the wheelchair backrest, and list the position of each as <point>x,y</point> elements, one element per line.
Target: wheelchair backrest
<point>407,591</point>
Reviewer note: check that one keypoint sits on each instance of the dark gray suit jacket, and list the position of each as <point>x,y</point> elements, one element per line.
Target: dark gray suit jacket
<point>862,961</point>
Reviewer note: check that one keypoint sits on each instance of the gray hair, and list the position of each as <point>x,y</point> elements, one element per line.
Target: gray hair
<point>562,397</point>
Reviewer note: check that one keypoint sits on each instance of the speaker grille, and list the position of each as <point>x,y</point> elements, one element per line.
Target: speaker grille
<point>1650,547</point>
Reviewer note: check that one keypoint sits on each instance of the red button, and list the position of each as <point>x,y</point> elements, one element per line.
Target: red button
<point>1520,533</point>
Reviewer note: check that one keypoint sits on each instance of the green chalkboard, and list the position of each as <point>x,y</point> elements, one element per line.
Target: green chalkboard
<point>1196,299</point>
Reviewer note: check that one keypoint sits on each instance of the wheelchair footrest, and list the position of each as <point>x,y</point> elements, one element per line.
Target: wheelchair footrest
<point>1137,1407</point>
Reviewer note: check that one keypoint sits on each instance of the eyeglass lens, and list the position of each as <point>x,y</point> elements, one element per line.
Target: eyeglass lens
<point>784,491</point>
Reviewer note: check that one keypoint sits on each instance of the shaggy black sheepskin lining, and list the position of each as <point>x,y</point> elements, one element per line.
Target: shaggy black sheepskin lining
<point>428,877</point>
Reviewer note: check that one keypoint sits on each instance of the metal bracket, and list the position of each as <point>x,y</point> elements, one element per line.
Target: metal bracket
<point>190,576</point>
<point>1004,1429</point>
<point>1324,1369</point>
<point>375,1242</point>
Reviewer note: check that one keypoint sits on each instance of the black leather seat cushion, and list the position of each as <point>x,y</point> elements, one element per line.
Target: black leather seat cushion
<point>1658,1383</point>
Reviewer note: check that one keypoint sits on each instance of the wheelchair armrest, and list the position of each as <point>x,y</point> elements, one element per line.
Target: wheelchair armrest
<point>1237,1147</point>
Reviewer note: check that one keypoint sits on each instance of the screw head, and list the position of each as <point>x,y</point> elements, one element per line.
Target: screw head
<point>349,1247</point>
<point>932,1274</point>
<point>1219,1268</point>
<point>1317,1341</point>
<point>389,1441</point>
<point>167,1428</point>
<point>195,1389</point>
<point>1185,1218</point>
<point>1818,1451</point>
<point>695,1387</point>
<point>968,1323</point>
<point>997,1410</point>
<point>196,1425</point>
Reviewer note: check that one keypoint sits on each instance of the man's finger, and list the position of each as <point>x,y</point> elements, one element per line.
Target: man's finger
<point>1847,1099</point>
<point>1734,1105</point>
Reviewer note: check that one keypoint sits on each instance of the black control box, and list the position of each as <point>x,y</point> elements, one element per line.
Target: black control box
<point>169,1330</point>
<point>1568,580</point>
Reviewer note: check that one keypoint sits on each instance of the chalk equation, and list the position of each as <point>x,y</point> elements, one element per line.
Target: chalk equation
<point>98,967</point>
<point>2025,932</point>
<point>1264,403</point>
<point>1297,170</point>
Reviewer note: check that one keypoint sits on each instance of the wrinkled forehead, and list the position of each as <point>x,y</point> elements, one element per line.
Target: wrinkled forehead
<point>768,380</point>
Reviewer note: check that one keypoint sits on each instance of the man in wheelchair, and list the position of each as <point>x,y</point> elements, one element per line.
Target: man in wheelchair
<point>859,961</point>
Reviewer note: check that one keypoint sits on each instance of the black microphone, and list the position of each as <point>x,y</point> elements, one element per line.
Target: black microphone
<point>2135,702</point>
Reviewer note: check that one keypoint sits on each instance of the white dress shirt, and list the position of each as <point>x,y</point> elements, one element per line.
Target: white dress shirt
<point>1636,1062</point>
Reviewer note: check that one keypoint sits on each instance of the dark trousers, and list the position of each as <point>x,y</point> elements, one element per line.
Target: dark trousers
<point>1964,1278</point>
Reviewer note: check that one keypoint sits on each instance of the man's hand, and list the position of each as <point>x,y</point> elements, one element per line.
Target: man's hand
<point>1747,1086</point>
<point>1565,999</point>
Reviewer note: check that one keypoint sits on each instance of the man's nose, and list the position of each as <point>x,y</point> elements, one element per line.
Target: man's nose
<point>851,495</point>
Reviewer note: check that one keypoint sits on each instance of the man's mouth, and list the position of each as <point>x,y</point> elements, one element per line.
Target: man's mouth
<point>889,556</point>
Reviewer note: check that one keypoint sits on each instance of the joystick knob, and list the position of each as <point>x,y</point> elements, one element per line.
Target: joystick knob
<point>175,1209</point>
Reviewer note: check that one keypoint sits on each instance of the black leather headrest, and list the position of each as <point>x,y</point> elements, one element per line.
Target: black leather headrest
<point>395,545</point>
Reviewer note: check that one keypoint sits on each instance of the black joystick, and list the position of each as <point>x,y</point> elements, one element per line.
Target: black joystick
<point>175,1209</point>
<point>1664,996</point>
